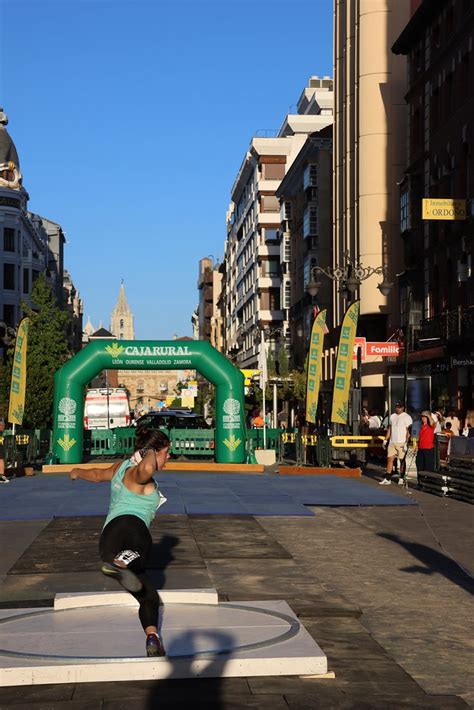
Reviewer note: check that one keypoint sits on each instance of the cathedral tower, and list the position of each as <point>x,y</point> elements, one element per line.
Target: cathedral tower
<point>121,320</point>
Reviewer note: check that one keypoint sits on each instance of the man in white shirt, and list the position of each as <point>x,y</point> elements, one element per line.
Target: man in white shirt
<point>397,436</point>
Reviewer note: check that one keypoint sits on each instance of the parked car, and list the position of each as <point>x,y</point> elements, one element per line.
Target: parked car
<point>173,419</point>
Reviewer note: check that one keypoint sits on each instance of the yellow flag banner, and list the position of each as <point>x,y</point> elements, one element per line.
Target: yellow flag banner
<point>342,379</point>
<point>314,366</point>
<point>18,381</point>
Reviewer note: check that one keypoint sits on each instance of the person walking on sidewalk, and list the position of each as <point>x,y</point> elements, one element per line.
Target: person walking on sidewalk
<point>125,543</point>
<point>396,438</point>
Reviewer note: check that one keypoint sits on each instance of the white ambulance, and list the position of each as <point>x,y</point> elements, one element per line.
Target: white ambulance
<point>106,408</point>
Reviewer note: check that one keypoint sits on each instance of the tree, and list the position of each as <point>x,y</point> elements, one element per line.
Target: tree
<point>47,352</point>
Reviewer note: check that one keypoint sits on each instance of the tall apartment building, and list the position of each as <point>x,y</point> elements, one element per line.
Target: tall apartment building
<point>306,237</point>
<point>29,245</point>
<point>253,276</point>
<point>369,157</point>
<point>436,285</point>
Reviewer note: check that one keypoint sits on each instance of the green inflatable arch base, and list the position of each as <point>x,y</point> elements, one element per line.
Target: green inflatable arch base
<point>71,379</point>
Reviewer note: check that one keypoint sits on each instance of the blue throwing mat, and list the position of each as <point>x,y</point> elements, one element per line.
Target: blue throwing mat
<point>42,497</point>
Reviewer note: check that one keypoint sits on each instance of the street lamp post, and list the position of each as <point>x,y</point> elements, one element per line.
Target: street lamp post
<point>350,276</point>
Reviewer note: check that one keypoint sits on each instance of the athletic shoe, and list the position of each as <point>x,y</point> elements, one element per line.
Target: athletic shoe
<point>154,646</point>
<point>401,481</point>
<point>4,479</point>
<point>124,576</point>
<point>385,482</point>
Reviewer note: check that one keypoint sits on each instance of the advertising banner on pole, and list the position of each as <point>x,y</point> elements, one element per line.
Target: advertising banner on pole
<point>314,366</point>
<point>342,378</point>
<point>18,381</point>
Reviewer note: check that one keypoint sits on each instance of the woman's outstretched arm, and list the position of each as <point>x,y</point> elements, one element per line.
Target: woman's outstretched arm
<point>96,475</point>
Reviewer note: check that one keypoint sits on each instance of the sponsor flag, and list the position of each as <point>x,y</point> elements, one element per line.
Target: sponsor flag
<point>262,363</point>
<point>18,382</point>
<point>316,312</point>
<point>342,378</point>
<point>314,365</point>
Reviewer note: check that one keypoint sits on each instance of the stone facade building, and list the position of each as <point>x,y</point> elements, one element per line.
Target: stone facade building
<point>29,245</point>
<point>436,284</point>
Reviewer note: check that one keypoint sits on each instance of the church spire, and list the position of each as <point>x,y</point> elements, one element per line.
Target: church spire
<point>121,321</point>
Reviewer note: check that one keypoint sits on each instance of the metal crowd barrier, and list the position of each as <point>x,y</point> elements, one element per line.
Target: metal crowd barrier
<point>192,442</point>
<point>26,446</point>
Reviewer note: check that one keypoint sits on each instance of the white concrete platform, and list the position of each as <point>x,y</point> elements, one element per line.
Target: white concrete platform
<point>105,642</point>
<point>167,596</point>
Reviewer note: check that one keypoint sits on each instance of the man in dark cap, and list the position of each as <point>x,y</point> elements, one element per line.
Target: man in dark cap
<point>396,439</point>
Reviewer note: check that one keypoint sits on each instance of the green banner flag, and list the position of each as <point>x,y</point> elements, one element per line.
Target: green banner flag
<point>342,379</point>
<point>314,365</point>
<point>18,382</point>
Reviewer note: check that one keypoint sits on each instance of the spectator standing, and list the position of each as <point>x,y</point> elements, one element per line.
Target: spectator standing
<point>425,450</point>
<point>438,421</point>
<point>396,438</point>
<point>453,419</point>
<point>374,422</point>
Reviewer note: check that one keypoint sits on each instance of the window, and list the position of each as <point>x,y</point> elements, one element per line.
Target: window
<point>285,211</point>
<point>273,171</point>
<point>274,299</point>
<point>287,294</point>
<point>310,221</point>
<point>405,211</point>
<point>271,235</point>
<point>9,314</point>
<point>271,267</point>
<point>9,277</point>
<point>310,176</point>
<point>140,386</point>
<point>26,281</point>
<point>286,250</point>
<point>8,239</point>
<point>269,203</point>
<point>121,323</point>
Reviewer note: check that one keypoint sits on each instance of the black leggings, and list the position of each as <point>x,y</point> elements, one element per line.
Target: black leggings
<point>127,532</point>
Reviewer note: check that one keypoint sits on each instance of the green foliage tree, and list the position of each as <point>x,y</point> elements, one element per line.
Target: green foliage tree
<point>47,352</point>
<point>282,362</point>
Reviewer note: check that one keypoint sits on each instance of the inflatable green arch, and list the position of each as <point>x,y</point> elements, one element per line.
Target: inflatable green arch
<point>71,379</point>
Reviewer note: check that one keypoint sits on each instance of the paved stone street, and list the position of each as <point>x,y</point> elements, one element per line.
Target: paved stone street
<point>376,587</point>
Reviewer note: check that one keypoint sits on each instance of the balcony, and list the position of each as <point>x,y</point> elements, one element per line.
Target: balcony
<point>451,325</point>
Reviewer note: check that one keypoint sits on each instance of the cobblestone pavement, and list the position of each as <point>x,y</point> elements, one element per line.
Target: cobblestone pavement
<point>377,588</point>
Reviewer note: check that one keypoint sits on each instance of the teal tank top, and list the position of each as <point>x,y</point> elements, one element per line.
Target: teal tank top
<point>124,502</point>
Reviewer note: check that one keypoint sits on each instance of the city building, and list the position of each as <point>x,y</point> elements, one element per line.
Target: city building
<point>436,283</point>
<point>369,161</point>
<point>29,245</point>
<point>209,322</point>
<point>305,237</point>
<point>253,276</point>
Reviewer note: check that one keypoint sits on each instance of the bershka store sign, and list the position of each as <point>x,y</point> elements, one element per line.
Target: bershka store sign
<point>376,349</point>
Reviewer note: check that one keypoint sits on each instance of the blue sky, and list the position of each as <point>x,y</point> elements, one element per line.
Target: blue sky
<point>131,120</point>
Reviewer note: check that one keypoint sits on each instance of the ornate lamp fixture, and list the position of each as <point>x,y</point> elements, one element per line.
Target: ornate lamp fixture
<point>350,276</point>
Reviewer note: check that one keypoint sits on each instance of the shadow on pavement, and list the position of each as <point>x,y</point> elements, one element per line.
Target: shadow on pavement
<point>434,562</point>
